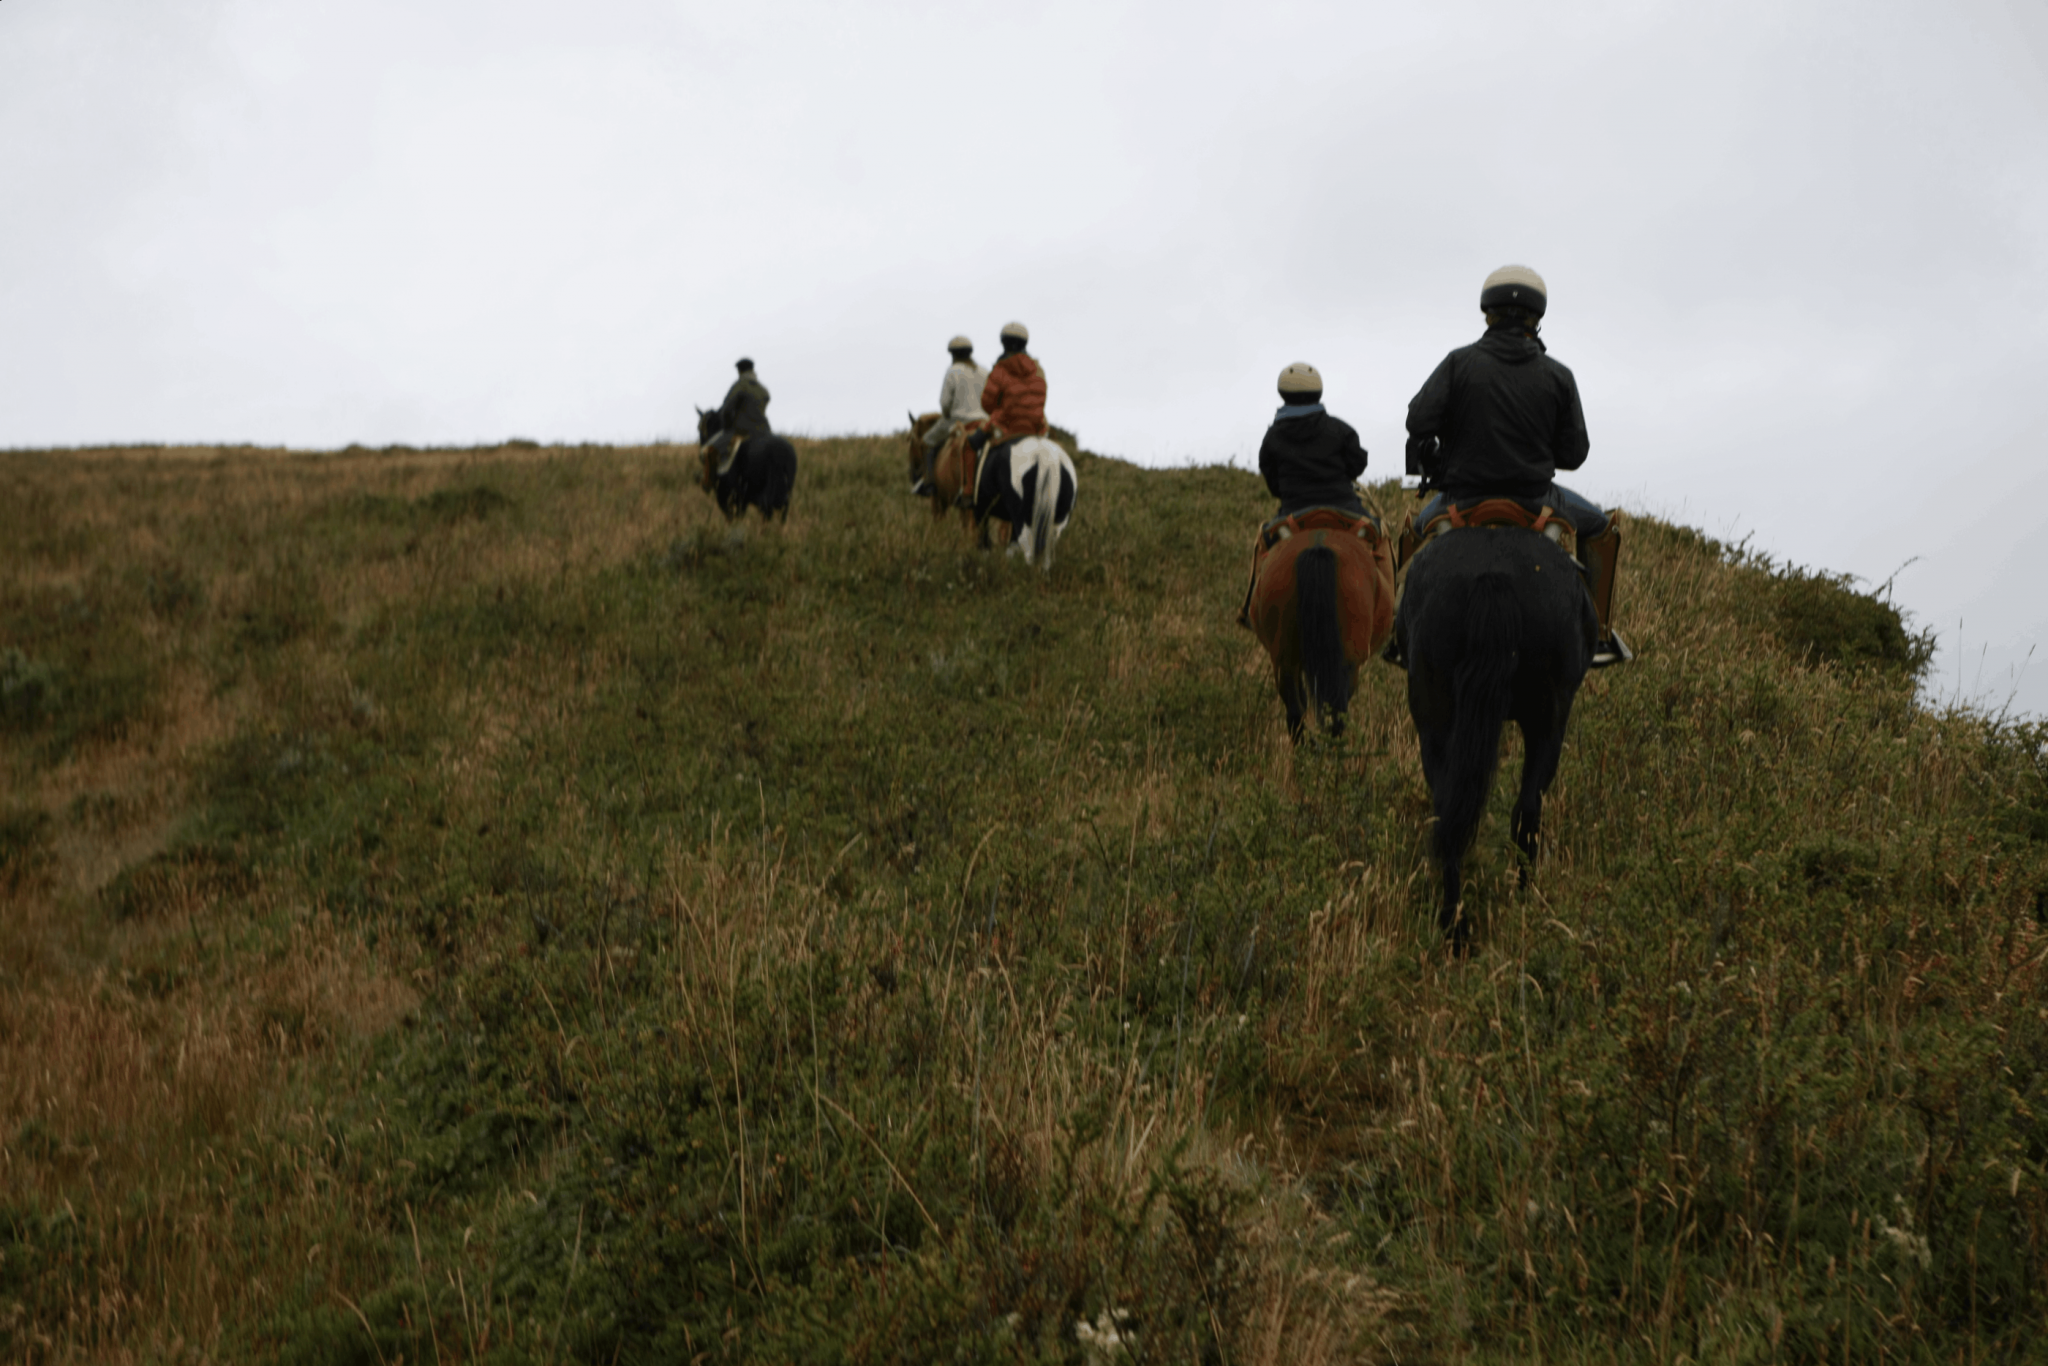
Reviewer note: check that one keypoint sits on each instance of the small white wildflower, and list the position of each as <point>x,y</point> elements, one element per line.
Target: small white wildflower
<point>1108,1338</point>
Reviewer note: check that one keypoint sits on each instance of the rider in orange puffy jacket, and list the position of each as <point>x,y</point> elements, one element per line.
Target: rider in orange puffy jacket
<point>1014,397</point>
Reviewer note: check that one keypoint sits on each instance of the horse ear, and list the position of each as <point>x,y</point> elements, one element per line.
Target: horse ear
<point>912,416</point>
<point>700,411</point>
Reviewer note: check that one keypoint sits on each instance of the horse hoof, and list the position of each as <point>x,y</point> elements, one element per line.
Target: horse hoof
<point>1460,938</point>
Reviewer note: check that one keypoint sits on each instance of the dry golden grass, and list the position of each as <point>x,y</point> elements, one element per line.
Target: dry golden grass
<point>1012,1055</point>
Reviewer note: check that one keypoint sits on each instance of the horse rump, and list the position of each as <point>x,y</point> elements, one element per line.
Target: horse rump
<point>1049,489</point>
<point>776,474</point>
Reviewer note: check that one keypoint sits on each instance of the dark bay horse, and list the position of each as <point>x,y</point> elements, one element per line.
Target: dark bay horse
<point>1323,602</point>
<point>1496,626</point>
<point>761,475</point>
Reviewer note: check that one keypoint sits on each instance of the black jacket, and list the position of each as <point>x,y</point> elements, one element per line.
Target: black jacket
<point>1508,417</point>
<point>1311,461</point>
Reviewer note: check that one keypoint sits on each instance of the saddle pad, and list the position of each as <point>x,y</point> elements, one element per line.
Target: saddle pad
<point>1365,577</point>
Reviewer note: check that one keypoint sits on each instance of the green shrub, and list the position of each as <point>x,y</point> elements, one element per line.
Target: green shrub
<point>29,690</point>
<point>25,853</point>
<point>1821,617</point>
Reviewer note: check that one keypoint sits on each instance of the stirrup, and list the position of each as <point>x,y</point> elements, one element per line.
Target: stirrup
<point>1611,651</point>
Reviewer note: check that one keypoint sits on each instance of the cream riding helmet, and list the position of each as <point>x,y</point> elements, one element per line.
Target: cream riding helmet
<point>959,344</point>
<point>1299,380</point>
<point>1016,332</point>
<point>1514,287</point>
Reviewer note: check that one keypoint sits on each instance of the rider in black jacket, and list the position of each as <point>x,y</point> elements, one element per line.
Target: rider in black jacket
<point>1499,418</point>
<point>1309,458</point>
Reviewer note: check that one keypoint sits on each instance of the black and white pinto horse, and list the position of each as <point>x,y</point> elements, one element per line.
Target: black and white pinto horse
<point>1496,626</point>
<point>1029,484</point>
<point>761,475</point>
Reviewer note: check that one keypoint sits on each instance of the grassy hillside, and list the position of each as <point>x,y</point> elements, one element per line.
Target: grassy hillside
<point>461,905</point>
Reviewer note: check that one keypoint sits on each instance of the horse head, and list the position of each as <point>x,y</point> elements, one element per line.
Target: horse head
<point>919,426</point>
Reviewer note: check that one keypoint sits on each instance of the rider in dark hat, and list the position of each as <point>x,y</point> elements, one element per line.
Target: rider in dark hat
<point>744,413</point>
<point>1499,418</point>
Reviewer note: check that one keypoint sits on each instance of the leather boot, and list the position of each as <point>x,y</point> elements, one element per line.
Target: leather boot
<point>1411,541</point>
<point>1244,609</point>
<point>1602,555</point>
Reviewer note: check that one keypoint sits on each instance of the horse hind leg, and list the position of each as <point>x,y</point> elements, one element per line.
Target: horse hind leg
<point>1294,696</point>
<point>1452,838</point>
<point>1542,749</point>
<point>1528,823</point>
<point>1457,928</point>
<point>1451,917</point>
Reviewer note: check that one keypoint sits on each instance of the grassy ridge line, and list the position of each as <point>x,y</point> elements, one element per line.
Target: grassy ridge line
<point>853,947</point>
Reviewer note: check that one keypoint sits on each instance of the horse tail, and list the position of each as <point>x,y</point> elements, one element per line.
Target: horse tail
<point>1482,689</point>
<point>1322,631</point>
<point>1045,507</point>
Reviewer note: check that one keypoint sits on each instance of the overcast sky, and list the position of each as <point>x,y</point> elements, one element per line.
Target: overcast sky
<point>1797,252</point>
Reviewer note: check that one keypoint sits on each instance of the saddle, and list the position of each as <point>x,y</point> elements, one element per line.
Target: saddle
<point>1365,573</point>
<point>960,447</point>
<point>1315,519</point>
<point>716,468</point>
<point>1493,513</point>
<point>732,453</point>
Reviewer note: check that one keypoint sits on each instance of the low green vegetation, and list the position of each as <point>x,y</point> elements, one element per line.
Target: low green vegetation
<point>476,905</point>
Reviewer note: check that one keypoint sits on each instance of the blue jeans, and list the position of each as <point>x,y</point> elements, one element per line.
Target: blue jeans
<point>1586,519</point>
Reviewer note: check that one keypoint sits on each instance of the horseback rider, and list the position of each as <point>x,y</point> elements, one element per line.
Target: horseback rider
<point>744,413</point>
<point>1014,396</point>
<point>1309,458</point>
<point>1499,418</point>
<point>959,403</point>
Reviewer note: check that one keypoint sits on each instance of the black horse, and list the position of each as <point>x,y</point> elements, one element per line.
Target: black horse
<point>1496,626</point>
<point>761,475</point>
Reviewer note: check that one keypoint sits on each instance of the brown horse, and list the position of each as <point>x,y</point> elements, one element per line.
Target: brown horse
<point>1322,604</point>
<point>953,470</point>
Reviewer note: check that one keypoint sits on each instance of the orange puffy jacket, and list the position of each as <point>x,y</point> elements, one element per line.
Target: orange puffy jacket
<point>1014,397</point>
